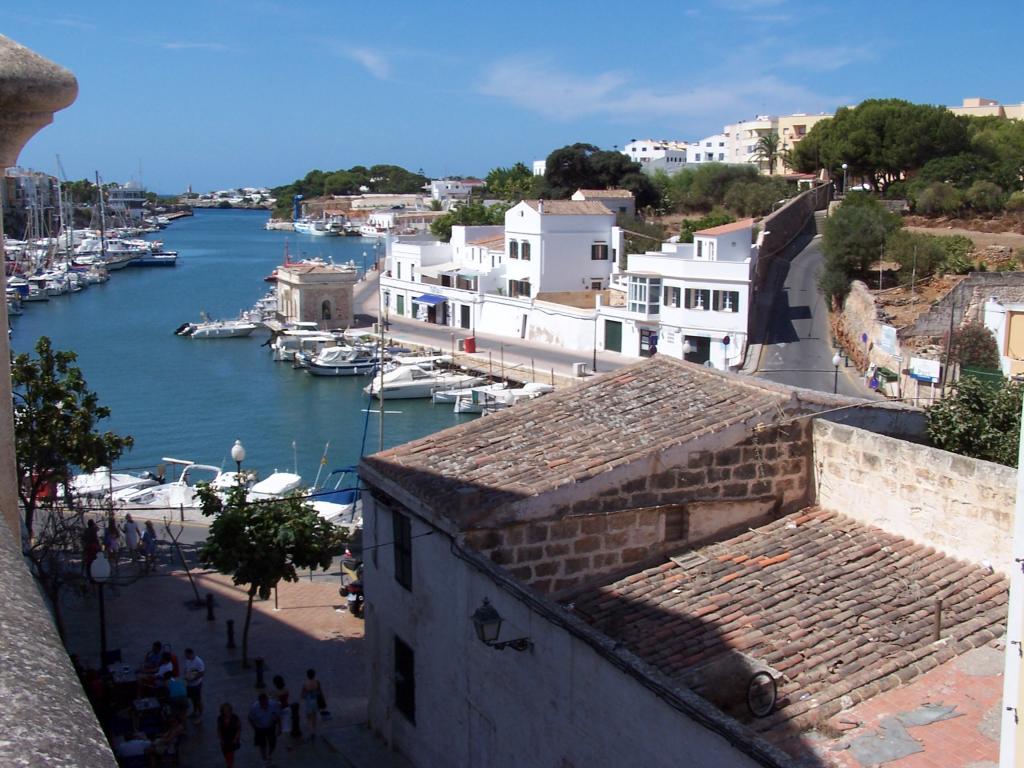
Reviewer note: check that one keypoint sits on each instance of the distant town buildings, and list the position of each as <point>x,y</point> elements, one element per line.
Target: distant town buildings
<point>979,107</point>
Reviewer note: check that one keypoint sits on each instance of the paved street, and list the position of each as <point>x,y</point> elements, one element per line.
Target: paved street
<point>797,344</point>
<point>307,630</point>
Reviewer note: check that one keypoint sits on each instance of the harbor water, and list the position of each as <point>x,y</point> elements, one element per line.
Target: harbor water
<point>191,399</point>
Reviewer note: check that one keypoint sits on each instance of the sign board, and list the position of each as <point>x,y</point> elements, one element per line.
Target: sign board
<point>925,370</point>
<point>887,341</point>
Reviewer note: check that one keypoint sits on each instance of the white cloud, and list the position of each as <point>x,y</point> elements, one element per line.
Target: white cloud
<point>561,95</point>
<point>373,61</point>
<point>827,59</point>
<point>185,45</point>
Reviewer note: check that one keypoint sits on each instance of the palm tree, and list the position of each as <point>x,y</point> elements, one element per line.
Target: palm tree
<point>767,150</point>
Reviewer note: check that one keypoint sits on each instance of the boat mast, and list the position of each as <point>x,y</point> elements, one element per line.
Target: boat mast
<point>380,361</point>
<point>103,221</point>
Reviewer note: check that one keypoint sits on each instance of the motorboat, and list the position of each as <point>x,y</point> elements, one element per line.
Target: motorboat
<point>412,381</point>
<point>178,495</point>
<point>449,396</point>
<point>103,482</point>
<point>489,399</point>
<point>317,227</point>
<point>288,343</point>
<point>343,361</point>
<point>218,329</point>
<point>340,504</point>
<point>275,486</point>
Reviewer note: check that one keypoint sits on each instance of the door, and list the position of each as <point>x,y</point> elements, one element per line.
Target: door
<point>613,335</point>
<point>648,342</point>
<point>400,305</point>
<point>464,309</point>
<point>700,349</point>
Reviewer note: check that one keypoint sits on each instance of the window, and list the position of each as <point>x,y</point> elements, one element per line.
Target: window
<point>405,680</point>
<point>696,157</point>
<point>325,310</point>
<point>599,252</point>
<point>698,298</point>
<point>721,156</point>
<point>398,267</point>
<point>644,295</point>
<point>671,296</point>
<point>726,301</point>
<point>518,288</point>
<point>402,537</point>
<point>524,250</point>
<point>596,285</point>
<point>513,249</point>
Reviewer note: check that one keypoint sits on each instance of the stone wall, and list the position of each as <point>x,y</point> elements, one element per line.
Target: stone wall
<point>967,300</point>
<point>714,495</point>
<point>961,506</point>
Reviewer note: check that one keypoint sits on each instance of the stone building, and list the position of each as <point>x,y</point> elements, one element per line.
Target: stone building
<point>651,540</point>
<point>318,293</point>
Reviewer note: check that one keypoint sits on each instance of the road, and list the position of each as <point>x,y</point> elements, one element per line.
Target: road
<point>797,344</point>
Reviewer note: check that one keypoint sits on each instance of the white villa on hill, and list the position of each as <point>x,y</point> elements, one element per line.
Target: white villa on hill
<point>556,273</point>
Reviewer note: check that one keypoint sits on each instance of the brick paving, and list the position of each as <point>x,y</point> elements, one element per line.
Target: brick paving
<point>306,631</point>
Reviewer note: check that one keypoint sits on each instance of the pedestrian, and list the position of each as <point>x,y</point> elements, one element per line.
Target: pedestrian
<point>311,696</point>
<point>265,717</point>
<point>112,540</point>
<point>151,661</point>
<point>177,694</point>
<point>90,545</point>
<point>280,693</point>
<point>149,544</point>
<point>195,670</point>
<point>132,536</point>
<point>229,732</point>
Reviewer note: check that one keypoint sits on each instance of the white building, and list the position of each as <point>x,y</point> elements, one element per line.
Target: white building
<point>689,300</point>
<point>657,155</point>
<point>454,189</point>
<point>540,167</point>
<point>619,201</point>
<point>711,149</point>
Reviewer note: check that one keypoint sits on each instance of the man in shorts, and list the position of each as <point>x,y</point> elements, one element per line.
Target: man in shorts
<point>194,672</point>
<point>265,718</point>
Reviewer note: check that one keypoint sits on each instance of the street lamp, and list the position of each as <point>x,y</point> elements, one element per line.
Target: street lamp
<point>845,166</point>
<point>99,572</point>
<point>836,360</point>
<point>487,623</point>
<point>238,456</point>
<point>364,263</point>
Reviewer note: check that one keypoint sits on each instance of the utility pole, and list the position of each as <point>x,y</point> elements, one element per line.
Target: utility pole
<point>949,347</point>
<point>913,272</point>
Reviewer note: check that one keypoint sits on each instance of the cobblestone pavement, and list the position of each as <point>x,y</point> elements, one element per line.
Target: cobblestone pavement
<point>306,630</point>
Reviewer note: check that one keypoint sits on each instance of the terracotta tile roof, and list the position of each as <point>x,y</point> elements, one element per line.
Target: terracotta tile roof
<point>725,229</point>
<point>496,243</point>
<point>573,434</point>
<point>571,207</point>
<point>315,269</point>
<point>605,192</point>
<point>839,609</point>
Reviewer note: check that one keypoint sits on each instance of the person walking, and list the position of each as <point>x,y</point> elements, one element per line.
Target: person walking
<point>195,670</point>
<point>280,693</point>
<point>112,541</point>
<point>229,733</point>
<point>90,545</point>
<point>149,545</point>
<point>132,536</point>
<point>265,718</point>
<point>311,696</point>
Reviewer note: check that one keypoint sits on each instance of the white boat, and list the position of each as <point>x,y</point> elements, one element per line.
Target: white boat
<point>218,329</point>
<point>373,231</point>
<point>178,495</point>
<point>101,483</point>
<point>449,396</point>
<point>317,227</point>
<point>343,361</point>
<point>275,486</point>
<point>489,400</point>
<point>340,504</point>
<point>288,343</point>
<point>411,381</point>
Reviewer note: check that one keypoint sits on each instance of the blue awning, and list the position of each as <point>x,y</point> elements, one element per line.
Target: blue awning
<point>430,298</point>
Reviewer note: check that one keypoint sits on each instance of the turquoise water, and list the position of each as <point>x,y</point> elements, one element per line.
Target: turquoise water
<point>192,399</point>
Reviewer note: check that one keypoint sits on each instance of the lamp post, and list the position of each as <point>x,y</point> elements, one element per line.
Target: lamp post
<point>836,360</point>
<point>364,263</point>
<point>238,456</point>
<point>487,623</point>
<point>845,166</point>
<point>99,572</point>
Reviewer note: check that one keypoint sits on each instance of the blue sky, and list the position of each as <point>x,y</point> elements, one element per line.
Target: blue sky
<point>223,93</point>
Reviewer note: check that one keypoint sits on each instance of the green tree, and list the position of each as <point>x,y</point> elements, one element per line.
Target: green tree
<point>768,150</point>
<point>979,419</point>
<point>260,544</point>
<point>985,197</point>
<point>510,184</point>
<point>854,236</point>
<point>716,218</point>
<point>919,256</point>
<point>974,346</point>
<point>469,214</point>
<point>585,166</point>
<point>938,199</point>
<point>55,420</point>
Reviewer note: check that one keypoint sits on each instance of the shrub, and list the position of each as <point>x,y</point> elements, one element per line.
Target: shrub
<point>985,197</point>
<point>974,346</point>
<point>1015,202</point>
<point>919,256</point>
<point>716,218</point>
<point>938,199</point>
<point>979,419</point>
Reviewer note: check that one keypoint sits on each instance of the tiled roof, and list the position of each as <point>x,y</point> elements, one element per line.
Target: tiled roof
<point>725,229</point>
<point>605,192</point>
<point>494,243</point>
<point>315,269</point>
<point>838,608</point>
<point>570,207</point>
<point>573,434</point>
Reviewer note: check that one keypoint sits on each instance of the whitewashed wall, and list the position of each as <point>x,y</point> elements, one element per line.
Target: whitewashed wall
<point>558,704</point>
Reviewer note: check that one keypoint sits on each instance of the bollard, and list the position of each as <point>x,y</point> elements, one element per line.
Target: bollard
<point>231,633</point>
<point>296,729</point>
<point>259,672</point>
<point>209,607</point>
